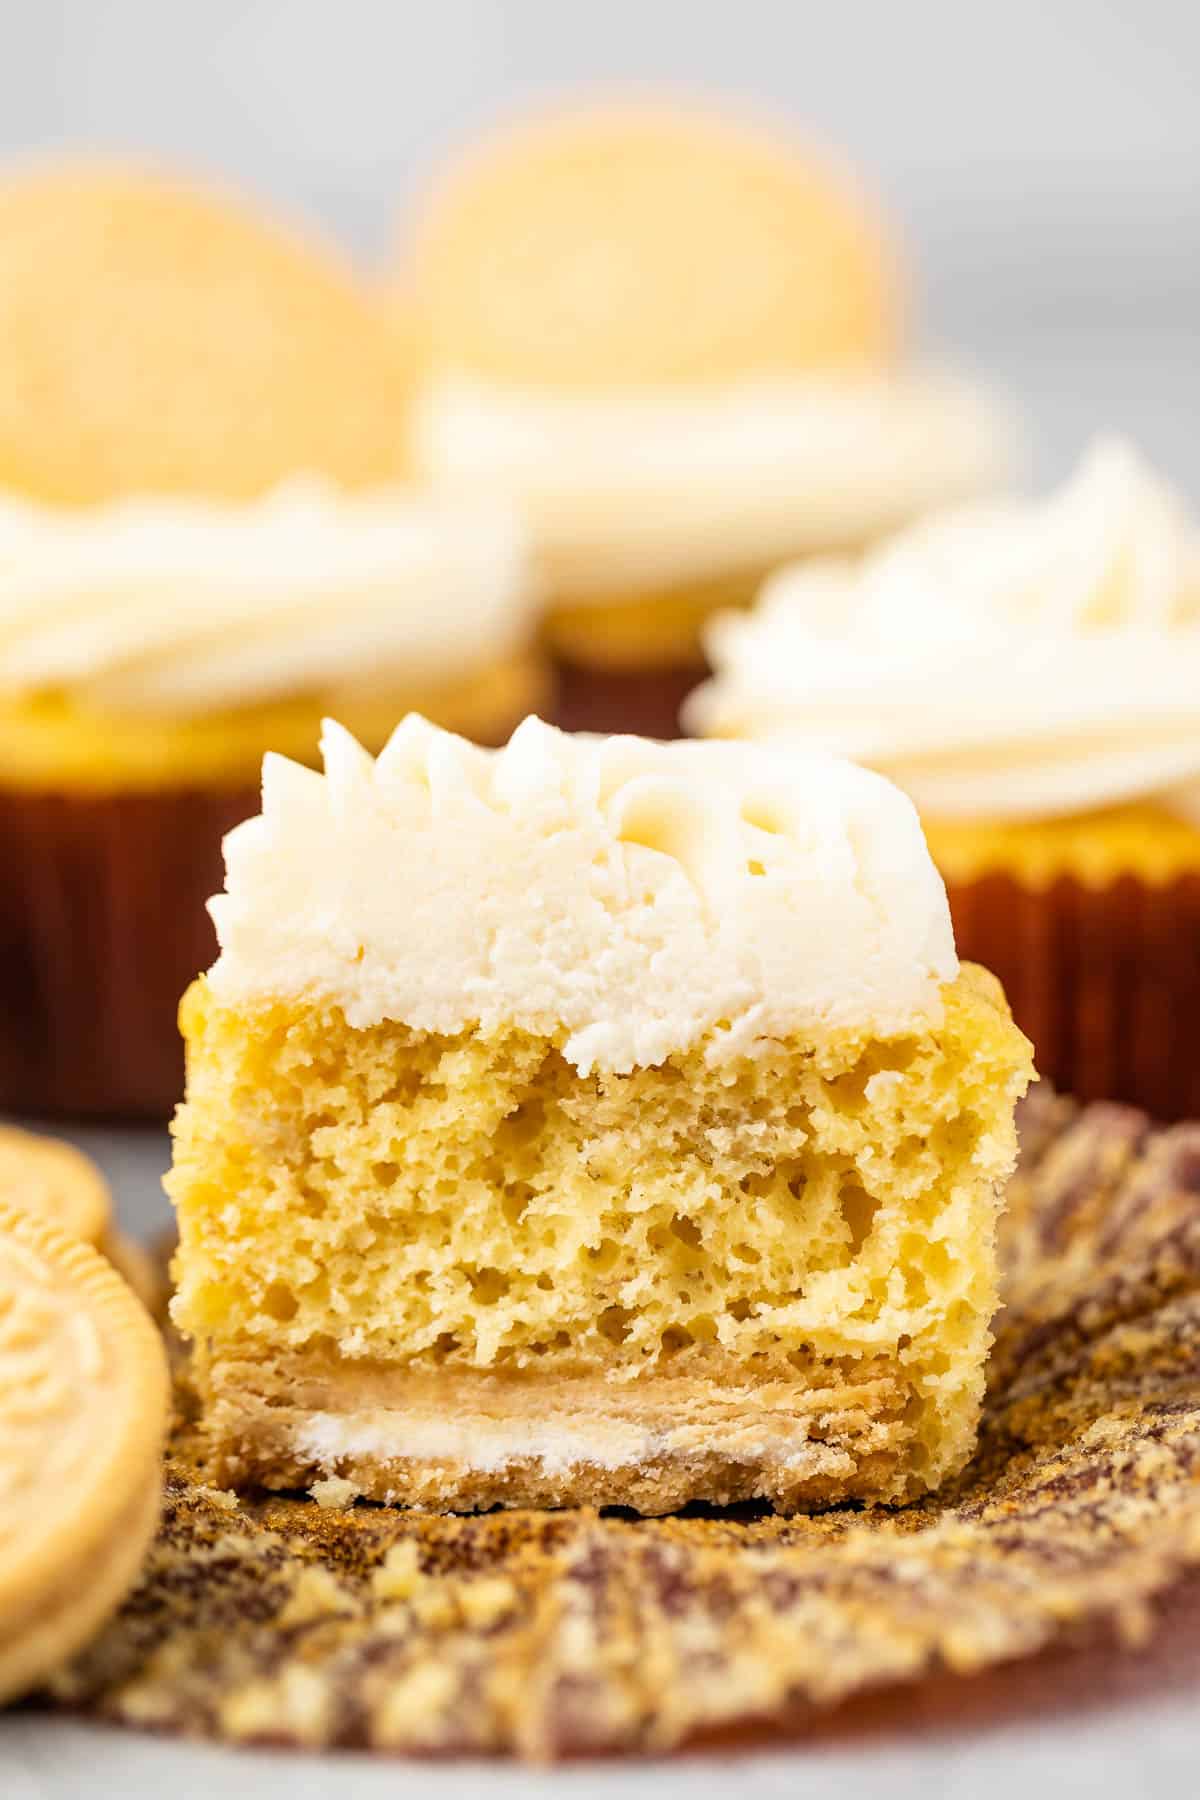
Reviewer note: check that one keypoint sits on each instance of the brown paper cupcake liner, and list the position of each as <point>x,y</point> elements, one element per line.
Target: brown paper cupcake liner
<point>102,926</point>
<point>277,1620</point>
<point>1104,980</point>
<point>643,701</point>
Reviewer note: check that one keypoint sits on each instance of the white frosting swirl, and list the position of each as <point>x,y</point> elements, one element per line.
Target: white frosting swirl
<point>1020,660</point>
<point>625,897</point>
<point>174,607</point>
<point>634,491</point>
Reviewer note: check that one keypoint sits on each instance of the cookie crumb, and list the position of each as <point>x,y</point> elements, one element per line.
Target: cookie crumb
<point>334,1491</point>
<point>316,1594</point>
<point>224,1499</point>
<point>399,1574</point>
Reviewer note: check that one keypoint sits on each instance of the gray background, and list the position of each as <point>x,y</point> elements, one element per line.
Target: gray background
<point>1042,154</point>
<point>1044,159</point>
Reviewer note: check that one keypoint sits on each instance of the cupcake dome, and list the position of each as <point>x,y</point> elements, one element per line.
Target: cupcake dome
<point>629,245</point>
<point>159,337</point>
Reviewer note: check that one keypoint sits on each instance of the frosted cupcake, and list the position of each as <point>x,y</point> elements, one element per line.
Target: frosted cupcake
<point>151,652</point>
<point>661,1133</point>
<point>1030,673</point>
<point>169,611</point>
<point>677,342</point>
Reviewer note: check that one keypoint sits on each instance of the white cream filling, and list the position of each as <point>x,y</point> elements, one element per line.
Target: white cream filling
<point>624,492</point>
<point>328,1438</point>
<point>331,1440</point>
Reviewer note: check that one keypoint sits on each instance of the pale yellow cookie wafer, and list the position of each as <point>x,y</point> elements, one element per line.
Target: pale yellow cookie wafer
<point>58,1184</point>
<point>55,1182</point>
<point>159,336</point>
<point>83,1407</point>
<point>620,245</point>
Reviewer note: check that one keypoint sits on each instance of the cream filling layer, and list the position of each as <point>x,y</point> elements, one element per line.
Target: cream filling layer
<point>383,1435</point>
<point>334,1440</point>
<point>642,490</point>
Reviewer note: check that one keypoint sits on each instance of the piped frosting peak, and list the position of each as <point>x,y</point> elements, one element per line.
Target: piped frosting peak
<point>628,899</point>
<point>1016,660</point>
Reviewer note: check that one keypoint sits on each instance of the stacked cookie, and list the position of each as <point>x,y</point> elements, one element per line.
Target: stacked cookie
<point>83,1409</point>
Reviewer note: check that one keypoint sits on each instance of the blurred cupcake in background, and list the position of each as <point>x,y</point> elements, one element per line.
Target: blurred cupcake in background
<point>199,557</point>
<point>1030,672</point>
<point>677,342</point>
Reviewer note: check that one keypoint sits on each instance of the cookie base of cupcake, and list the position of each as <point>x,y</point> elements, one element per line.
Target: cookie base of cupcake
<point>448,1440</point>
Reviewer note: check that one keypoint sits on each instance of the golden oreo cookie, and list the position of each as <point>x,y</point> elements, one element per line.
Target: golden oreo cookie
<point>83,1408</point>
<point>157,337</point>
<point>55,1183</point>
<point>648,244</point>
<point>58,1184</point>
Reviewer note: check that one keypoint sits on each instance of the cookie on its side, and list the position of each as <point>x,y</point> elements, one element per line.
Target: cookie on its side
<point>57,1184</point>
<point>161,336</point>
<point>83,1408</point>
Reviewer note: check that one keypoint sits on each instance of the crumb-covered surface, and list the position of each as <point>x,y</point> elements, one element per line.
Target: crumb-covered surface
<point>288,1622</point>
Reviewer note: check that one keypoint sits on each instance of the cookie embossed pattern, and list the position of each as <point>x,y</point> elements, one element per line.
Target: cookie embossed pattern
<point>83,1394</point>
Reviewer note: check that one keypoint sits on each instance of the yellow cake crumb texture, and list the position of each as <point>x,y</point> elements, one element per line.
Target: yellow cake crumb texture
<point>56,1184</point>
<point>627,244</point>
<point>471,1202</point>
<point>1146,842</point>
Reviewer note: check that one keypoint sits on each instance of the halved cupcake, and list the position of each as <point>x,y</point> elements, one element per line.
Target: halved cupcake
<point>591,1121</point>
<point>677,342</point>
<point>1030,673</point>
